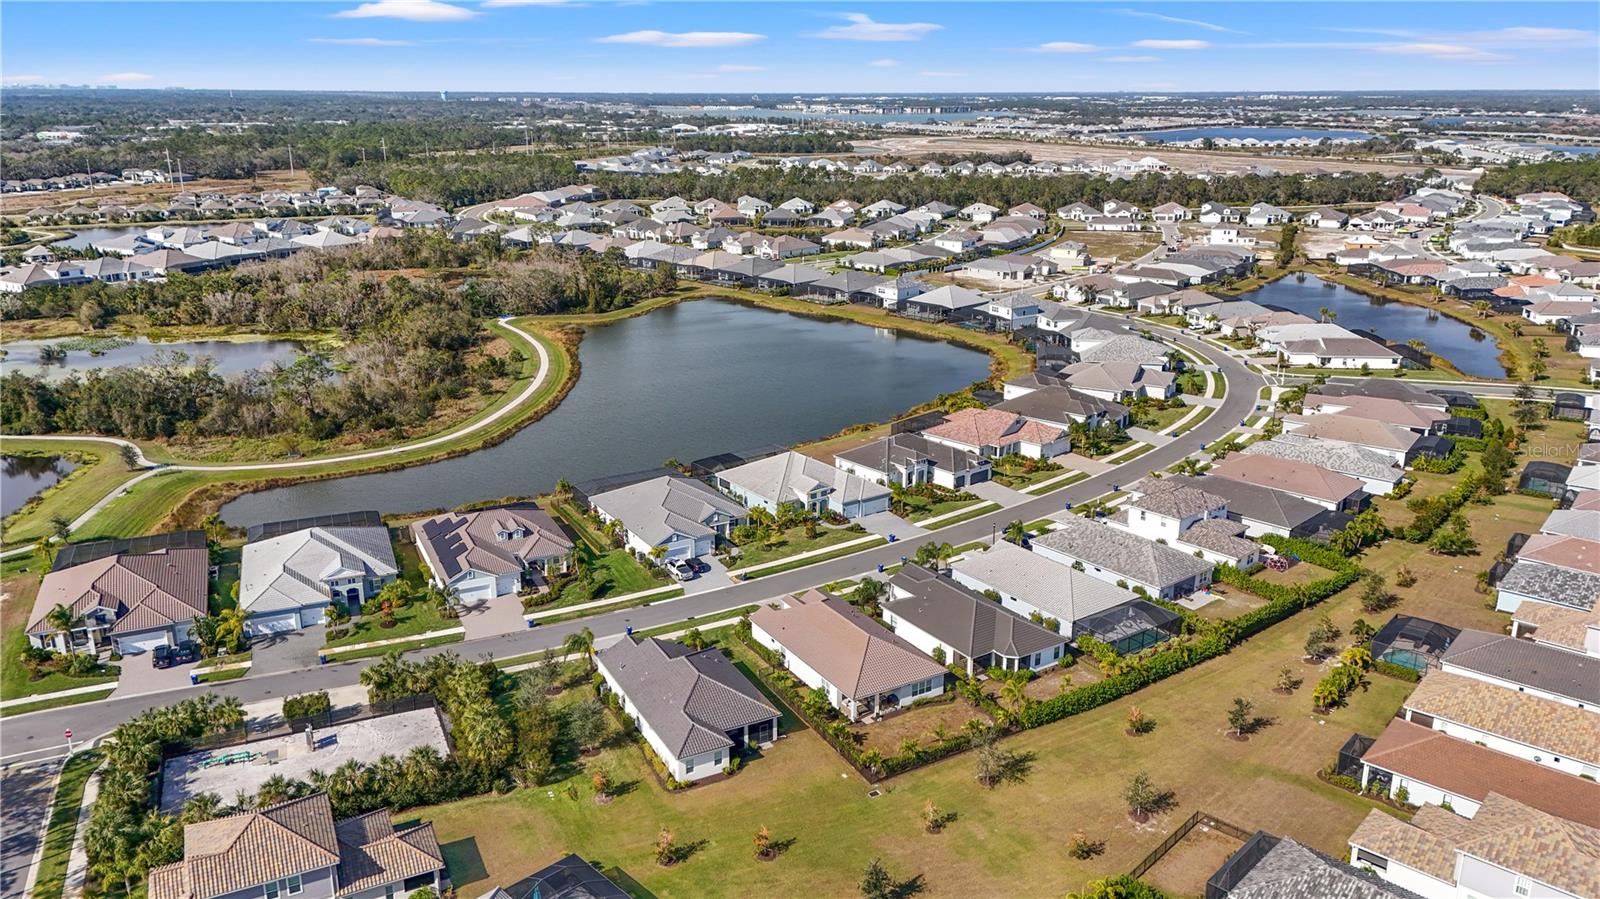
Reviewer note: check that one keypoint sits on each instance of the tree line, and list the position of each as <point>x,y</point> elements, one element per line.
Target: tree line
<point>1577,178</point>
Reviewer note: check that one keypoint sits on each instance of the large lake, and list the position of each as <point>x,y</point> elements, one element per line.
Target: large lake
<point>230,356</point>
<point>684,382</point>
<point>23,477</point>
<point>1467,348</point>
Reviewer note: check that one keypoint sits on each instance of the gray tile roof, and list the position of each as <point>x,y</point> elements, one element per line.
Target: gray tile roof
<point>1057,590</point>
<point>975,625</point>
<point>1560,586</point>
<point>906,449</point>
<point>791,476</point>
<point>1122,553</point>
<point>1537,665</point>
<point>1582,523</point>
<point>1255,502</point>
<point>287,571</point>
<point>1342,458</point>
<point>689,699</point>
<point>654,510</point>
<point>1176,500</point>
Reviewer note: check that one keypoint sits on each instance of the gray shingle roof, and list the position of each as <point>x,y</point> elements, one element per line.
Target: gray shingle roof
<point>1343,458</point>
<point>461,541</point>
<point>1255,502</point>
<point>1122,553</point>
<point>1525,662</point>
<point>1057,590</point>
<point>654,510</point>
<point>1560,586</point>
<point>973,624</point>
<point>1290,870</point>
<point>286,572</point>
<point>689,699</point>
<point>790,477</point>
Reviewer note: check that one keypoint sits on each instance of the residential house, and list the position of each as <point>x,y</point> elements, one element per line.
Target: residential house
<point>1059,406</point>
<point>1325,218</point>
<point>850,237</point>
<point>1506,849</point>
<point>947,620</point>
<point>693,708</point>
<point>1531,582</point>
<point>296,848</point>
<point>948,303</point>
<point>864,668</point>
<point>1547,671</point>
<point>1230,236</point>
<point>1120,381</point>
<point>684,517</point>
<point>1396,443</point>
<point>492,552</point>
<point>1170,213</point>
<point>1214,213</point>
<point>1516,723</point>
<point>980,213</point>
<point>1328,489</point>
<point>1272,867</point>
<point>1265,215</point>
<point>569,877</point>
<point>1003,269</point>
<point>1013,311</point>
<point>1077,212</point>
<point>995,433</point>
<point>906,460</point>
<point>1189,518</point>
<point>129,602</point>
<point>1421,419</point>
<point>1122,558</point>
<point>1063,598</point>
<point>1377,473</point>
<point>288,580</point>
<point>793,479</point>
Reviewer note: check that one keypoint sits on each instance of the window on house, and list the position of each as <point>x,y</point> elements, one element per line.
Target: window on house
<point>272,890</point>
<point>1522,886</point>
<point>1378,862</point>
<point>293,885</point>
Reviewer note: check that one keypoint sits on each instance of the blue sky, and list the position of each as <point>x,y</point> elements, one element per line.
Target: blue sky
<point>776,46</point>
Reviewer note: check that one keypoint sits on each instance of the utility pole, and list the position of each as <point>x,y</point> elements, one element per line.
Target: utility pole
<point>169,165</point>
<point>363,155</point>
<point>383,144</point>
<point>291,159</point>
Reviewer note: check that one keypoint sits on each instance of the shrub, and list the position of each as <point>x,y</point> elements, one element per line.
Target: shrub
<point>306,705</point>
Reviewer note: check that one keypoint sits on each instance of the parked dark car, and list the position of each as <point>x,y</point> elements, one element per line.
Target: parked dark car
<point>182,654</point>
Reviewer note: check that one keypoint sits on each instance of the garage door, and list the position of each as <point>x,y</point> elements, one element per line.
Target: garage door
<point>145,642</point>
<point>313,615</point>
<point>477,594</point>
<point>281,622</point>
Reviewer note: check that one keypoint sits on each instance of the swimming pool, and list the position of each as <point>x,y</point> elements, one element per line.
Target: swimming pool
<point>1409,658</point>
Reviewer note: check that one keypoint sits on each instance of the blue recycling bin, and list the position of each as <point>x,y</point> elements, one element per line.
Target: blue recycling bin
<point>893,538</point>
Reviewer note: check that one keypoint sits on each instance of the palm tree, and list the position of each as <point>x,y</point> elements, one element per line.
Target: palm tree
<point>64,621</point>
<point>1016,532</point>
<point>1014,691</point>
<point>563,493</point>
<point>1417,344</point>
<point>1483,308</point>
<point>581,643</point>
<point>1327,315</point>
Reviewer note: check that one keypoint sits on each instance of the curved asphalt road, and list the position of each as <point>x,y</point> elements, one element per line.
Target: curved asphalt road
<point>41,731</point>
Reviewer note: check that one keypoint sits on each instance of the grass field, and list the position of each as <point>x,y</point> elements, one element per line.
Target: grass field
<point>97,476</point>
<point>794,542</point>
<point>416,618</point>
<point>52,874</point>
<point>803,792</point>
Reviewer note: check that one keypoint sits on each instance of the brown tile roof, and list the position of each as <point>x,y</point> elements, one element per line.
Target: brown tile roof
<point>1466,769</point>
<point>1299,478</point>
<point>458,541</point>
<point>1563,551</point>
<point>1379,408</point>
<point>372,853</point>
<point>983,427</point>
<point>1541,723</point>
<point>241,851</point>
<point>1504,832</point>
<point>1559,625</point>
<point>145,590</point>
<point>857,655</point>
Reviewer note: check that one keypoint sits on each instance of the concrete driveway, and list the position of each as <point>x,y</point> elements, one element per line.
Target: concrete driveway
<point>140,675</point>
<point>501,615</point>
<point>885,523</point>
<point>1000,493</point>
<point>25,793</point>
<point>287,651</point>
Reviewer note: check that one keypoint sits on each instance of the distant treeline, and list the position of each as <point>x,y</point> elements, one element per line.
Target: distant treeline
<point>471,180</point>
<point>1577,178</point>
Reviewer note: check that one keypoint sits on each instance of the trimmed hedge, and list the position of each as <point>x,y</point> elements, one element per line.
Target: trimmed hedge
<point>1398,672</point>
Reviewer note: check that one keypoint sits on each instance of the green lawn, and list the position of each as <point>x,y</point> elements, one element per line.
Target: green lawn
<point>921,508</point>
<point>1017,478</point>
<point>792,564</point>
<point>98,475</point>
<point>793,542</point>
<point>14,613</point>
<point>56,703</point>
<point>351,655</point>
<point>1191,424</point>
<point>226,674</point>
<point>1157,419</point>
<point>63,826</point>
<point>974,512</point>
<point>804,792</point>
<point>416,618</point>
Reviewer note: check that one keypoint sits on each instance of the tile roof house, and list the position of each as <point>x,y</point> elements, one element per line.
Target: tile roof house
<point>685,516</point>
<point>1398,444</point>
<point>1328,489</point>
<point>1538,669</point>
<point>138,601</point>
<point>864,668</point>
<point>1550,733</point>
<point>694,708</point>
<point>1377,473</point>
<point>1271,867</point>
<point>995,433</point>
<point>790,478</point>
<point>1055,404</point>
<point>286,582</point>
<point>1577,630</point>
<point>1435,768</point>
<point>1187,517</point>
<point>1030,584</point>
<point>943,618</point>
<point>1563,551</point>
<point>1506,849</point>
<point>1537,582</point>
<point>911,459</point>
<point>1120,381</point>
<point>1120,557</point>
<point>297,847</point>
<point>1421,419</point>
<point>492,552</point>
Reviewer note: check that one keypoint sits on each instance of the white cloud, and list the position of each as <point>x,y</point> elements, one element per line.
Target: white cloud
<point>361,41</point>
<point>495,4</point>
<point>732,67</point>
<point>863,28</point>
<point>125,77</point>
<point>937,74</point>
<point>1132,59</point>
<point>1535,35</point>
<point>684,38</point>
<point>884,63</point>
<point>21,79</point>
<point>1172,45</point>
<point>1208,26</point>
<point>412,10</point>
<point>1063,47</point>
<point>1457,52</point>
